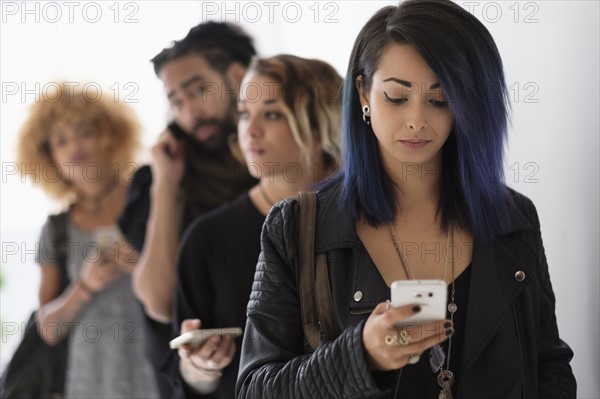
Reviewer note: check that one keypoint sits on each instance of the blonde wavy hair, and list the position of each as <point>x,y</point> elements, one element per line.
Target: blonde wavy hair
<point>311,91</point>
<point>113,121</point>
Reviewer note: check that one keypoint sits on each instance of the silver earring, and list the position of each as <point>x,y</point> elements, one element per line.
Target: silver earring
<point>366,117</point>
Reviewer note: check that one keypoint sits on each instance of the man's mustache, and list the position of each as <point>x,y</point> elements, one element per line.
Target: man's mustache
<point>207,122</point>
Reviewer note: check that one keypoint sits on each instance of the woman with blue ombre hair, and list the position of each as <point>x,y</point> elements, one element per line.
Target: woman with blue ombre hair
<point>420,195</point>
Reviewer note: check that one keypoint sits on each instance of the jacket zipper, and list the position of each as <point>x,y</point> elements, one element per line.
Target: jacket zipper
<point>520,349</point>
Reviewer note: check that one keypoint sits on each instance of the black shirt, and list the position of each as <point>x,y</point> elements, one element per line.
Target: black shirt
<point>208,182</point>
<point>418,381</point>
<point>215,271</point>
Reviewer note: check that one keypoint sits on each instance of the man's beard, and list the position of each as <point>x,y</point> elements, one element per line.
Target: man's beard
<point>218,142</point>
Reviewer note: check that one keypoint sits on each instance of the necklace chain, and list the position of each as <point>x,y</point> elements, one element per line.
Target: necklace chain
<point>264,195</point>
<point>445,377</point>
<point>404,260</point>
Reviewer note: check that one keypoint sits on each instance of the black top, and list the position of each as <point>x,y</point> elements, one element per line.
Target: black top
<point>215,271</point>
<point>419,381</point>
<point>209,182</point>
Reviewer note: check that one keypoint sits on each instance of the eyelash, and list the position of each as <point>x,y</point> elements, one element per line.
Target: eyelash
<point>439,104</point>
<point>394,100</point>
<point>270,115</point>
<point>273,115</point>
<point>197,89</point>
<point>435,103</point>
<point>193,92</point>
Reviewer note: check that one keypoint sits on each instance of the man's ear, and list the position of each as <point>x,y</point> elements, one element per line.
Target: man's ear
<point>362,93</point>
<point>235,73</point>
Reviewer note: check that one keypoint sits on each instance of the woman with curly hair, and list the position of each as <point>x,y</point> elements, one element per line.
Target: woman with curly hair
<point>80,147</point>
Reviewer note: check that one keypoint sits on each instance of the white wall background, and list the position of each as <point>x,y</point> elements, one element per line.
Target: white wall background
<point>551,55</point>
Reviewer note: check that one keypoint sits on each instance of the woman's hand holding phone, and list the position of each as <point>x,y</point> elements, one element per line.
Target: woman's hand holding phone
<point>211,356</point>
<point>97,274</point>
<point>395,336</point>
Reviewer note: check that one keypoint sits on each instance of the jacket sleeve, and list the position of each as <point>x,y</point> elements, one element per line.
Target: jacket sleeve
<point>273,362</point>
<point>555,376</point>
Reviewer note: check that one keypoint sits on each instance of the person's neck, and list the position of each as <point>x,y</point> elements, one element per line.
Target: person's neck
<point>92,196</point>
<point>275,188</point>
<point>417,185</point>
<point>278,189</point>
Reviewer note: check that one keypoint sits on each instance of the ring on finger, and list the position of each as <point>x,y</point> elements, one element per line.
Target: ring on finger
<point>390,339</point>
<point>212,365</point>
<point>414,358</point>
<point>402,338</point>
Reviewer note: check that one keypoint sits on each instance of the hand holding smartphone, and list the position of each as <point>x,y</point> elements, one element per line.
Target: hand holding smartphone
<point>198,337</point>
<point>107,236</point>
<point>431,295</point>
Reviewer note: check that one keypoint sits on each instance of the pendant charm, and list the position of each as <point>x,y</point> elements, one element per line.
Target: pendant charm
<point>445,379</point>
<point>452,308</point>
<point>445,393</point>
<point>437,357</point>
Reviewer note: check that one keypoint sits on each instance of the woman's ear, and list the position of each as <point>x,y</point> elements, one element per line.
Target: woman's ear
<point>363,95</point>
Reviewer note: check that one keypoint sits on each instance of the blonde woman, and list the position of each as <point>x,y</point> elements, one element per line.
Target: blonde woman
<point>288,134</point>
<point>82,146</point>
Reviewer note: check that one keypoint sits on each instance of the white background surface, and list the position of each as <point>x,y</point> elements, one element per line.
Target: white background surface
<point>551,55</point>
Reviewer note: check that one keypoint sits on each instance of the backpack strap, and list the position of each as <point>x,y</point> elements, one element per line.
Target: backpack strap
<point>315,291</point>
<point>58,230</point>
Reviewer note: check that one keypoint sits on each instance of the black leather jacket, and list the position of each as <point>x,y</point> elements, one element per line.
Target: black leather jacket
<point>512,347</point>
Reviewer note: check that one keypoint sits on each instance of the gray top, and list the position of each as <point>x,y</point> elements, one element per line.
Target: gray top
<point>106,356</point>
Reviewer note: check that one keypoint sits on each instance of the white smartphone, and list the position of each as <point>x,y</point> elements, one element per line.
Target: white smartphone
<point>198,337</point>
<point>431,295</point>
<point>107,236</point>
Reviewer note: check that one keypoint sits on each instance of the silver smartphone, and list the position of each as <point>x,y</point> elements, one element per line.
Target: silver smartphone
<point>198,337</point>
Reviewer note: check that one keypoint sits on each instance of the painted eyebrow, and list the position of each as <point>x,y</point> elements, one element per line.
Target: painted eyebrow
<point>408,84</point>
<point>186,84</point>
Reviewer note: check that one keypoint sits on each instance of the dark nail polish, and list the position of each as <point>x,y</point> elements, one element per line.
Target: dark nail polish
<point>416,309</point>
<point>449,332</point>
<point>447,324</point>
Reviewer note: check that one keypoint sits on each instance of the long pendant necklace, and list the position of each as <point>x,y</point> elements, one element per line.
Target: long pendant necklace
<point>445,377</point>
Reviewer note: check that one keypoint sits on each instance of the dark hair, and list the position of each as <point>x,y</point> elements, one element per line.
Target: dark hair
<point>462,54</point>
<point>220,43</point>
